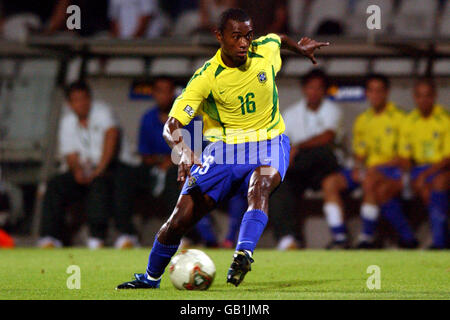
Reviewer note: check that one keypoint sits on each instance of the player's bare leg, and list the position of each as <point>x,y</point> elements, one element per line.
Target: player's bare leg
<point>381,191</point>
<point>263,182</point>
<point>188,211</point>
<point>332,187</point>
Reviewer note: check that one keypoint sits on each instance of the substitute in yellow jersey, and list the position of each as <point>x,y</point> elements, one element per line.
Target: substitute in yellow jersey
<point>425,147</point>
<point>376,135</point>
<point>377,170</point>
<point>236,94</point>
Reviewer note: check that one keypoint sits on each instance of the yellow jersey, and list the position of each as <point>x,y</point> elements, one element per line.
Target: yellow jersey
<point>426,140</point>
<point>237,104</point>
<point>376,135</point>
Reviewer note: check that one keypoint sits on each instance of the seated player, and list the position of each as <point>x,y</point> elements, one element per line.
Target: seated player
<point>236,93</point>
<point>312,125</point>
<point>375,140</point>
<point>425,146</point>
<point>97,158</point>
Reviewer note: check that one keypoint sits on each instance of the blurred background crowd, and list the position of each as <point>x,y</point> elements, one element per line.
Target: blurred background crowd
<point>132,19</point>
<point>83,161</point>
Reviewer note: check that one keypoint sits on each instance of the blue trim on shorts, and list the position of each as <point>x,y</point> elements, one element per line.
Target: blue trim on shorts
<point>391,172</point>
<point>417,170</point>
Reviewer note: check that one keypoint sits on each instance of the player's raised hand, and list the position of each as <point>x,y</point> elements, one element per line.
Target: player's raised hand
<point>308,46</point>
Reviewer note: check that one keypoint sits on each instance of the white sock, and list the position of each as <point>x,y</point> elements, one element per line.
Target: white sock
<point>151,278</point>
<point>287,242</point>
<point>369,211</point>
<point>333,214</point>
<point>335,220</point>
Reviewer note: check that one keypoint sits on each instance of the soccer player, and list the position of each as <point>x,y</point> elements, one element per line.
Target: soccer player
<point>235,91</point>
<point>425,146</point>
<point>375,139</point>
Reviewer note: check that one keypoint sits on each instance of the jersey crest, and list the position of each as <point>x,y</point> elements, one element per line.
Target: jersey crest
<point>262,77</point>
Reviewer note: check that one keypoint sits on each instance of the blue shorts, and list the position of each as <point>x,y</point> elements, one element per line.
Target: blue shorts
<point>227,168</point>
<point>389,172</point>
<point>417,170</point>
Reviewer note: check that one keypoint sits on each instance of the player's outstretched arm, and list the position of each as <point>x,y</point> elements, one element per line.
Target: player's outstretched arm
<point>174,138</point>
<point>305,46</point>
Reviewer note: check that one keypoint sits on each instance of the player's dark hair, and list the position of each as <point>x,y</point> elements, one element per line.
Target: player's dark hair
<point>163,78</point>
<point>379,77</point>
<point>426,81</point>
<point>77,86</point>
<point>316,74</point>
<point>232,14</point>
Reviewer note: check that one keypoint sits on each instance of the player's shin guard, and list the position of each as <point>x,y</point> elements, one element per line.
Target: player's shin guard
<point>159,258</point>
<point>438,218</point>
<point>252,227</point>
<point>392,212</point>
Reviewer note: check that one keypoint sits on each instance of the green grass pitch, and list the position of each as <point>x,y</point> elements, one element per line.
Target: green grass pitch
<point>305,274</point>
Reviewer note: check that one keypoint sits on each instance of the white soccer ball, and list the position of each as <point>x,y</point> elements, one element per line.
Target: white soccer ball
<point>192,270</point>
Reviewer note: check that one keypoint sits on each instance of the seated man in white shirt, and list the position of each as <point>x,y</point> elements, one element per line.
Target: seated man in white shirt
<point>135,19</point>
<point>97,159</point>
<point>312,125</point>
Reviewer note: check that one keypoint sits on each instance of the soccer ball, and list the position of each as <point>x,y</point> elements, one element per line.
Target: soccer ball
<point>192,270</point>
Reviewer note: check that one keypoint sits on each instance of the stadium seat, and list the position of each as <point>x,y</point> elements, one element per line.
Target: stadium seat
<point>441,67</point>
<point>322,10</point>
<point>422,67</point>
<point>296,67</point>
<point>73,70</point>
<point>38,67</point>
<point>416,18</point>
<point>171,66</point>
<point>6,67</point>
<point>347,67</point>
<point>295,15</point>
<point>125,67</point>
<point>30,101</point>
<point>93,66</point>
<point>357,22</point>
<point>394,66</point>
<point>186,23</point>
<point>444,29</point>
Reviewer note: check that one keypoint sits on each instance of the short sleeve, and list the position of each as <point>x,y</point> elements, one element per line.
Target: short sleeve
<point>359,137</point>
<point>187,105</point>
<point>269,46</point>
<point>333,118</point>
<point>105,117</point>
<point>68,142</point>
